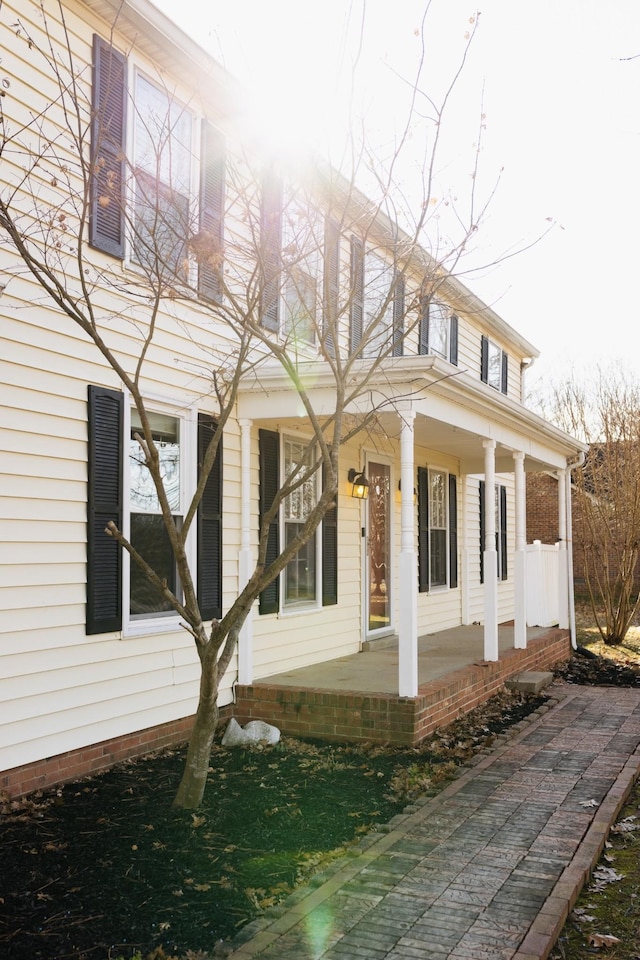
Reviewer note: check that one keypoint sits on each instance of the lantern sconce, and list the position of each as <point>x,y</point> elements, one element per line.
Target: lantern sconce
<point>360,489</point>
<point>415,492</point>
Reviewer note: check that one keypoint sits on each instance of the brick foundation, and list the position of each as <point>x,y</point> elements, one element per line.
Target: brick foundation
<point>323,714</point>
<point>380,718</point>
<point>76,764</point>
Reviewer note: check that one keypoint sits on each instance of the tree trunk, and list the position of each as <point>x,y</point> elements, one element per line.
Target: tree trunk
<point>194,778</point>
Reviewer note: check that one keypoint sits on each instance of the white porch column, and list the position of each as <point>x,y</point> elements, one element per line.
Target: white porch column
<point>570,585</point>
<point>245,640</point>
<point>520,559</point>
<point>563,572</point>
<point>490,554</point>
<point>408,592</point>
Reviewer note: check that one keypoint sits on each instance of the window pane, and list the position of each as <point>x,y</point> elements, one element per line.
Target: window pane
<point>143,496</point>
<point>149,537</point>
<point>439,330</point>
<point>300,572</point>
<point>438,561</point>
<point>300,301</point>
<point>163,163</point>
<point>494,372</point>
<point>378,280</point>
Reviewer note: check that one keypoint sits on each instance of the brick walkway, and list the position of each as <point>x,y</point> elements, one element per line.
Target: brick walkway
<point>490,867</point>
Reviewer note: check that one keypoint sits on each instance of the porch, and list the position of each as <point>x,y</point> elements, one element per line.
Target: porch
<point>356,697</point>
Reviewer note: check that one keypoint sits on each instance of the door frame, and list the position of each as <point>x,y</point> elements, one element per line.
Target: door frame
<point>387,630</point>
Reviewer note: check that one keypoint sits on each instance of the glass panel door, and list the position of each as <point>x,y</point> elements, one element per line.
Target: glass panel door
<point>378,546</point>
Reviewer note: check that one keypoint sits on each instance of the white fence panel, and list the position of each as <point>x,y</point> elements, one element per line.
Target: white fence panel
<point>543,584</point>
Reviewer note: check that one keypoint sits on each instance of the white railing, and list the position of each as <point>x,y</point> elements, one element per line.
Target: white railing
<point>543,584</point>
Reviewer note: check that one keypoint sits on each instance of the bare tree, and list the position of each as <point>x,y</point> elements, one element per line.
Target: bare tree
<point>604,410</point>
<point>250,277</point>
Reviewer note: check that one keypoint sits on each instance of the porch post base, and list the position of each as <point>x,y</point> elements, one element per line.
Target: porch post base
<point>408,626</point>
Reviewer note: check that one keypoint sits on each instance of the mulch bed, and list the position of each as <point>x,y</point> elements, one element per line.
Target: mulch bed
<point>104,868</point>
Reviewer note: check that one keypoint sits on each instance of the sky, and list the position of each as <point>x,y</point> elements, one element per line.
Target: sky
<point>557,84</point>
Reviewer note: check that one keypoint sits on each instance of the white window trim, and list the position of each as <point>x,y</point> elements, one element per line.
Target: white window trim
<point>169,622</point>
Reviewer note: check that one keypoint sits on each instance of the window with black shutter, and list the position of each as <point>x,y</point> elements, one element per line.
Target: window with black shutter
<point>356,312</point>
<point>501,530</point>
<point>331,285</point>
<point>109,112</point>
<point>270,249</point>
<point>494,365</point>
<point>104,504</point>
<point>210,239</point>
<point>269,449</point>
<point>209,579</point>
<point>398,315</point>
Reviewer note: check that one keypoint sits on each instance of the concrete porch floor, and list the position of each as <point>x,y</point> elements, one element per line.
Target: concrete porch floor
<point>375,669</point>
<point>356,697</point>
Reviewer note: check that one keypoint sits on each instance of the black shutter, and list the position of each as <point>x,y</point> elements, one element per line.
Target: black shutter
<point>423,530</point>
<point>484,359</point>
<point>109,102</point>
<point>504,379</point>
<point>453,340</point>
<point>271,242</point>
<point>331,284</point>
<point>330,552</point>
<point>398,315</point>
<point>209,575</point>
<point>503,532</point>
<point>212,168</point>
<point>104,503</point>
<point>482,530</point>
<point>357,293</point>
<point>269,446</point>
<point>453,532</point>
<point>423,342</point>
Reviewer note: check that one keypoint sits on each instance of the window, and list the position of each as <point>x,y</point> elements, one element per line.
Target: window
<point>437,529</point>
<point>162,154</point>
<point>377,303</point>
<point>137,509</point>
<point>300,572</point>
<point>438,331</point>
<point>313,572</point>
<point>501,530</point>
<point>147,531</point>
<point>293,238</point>
<point>494,364</point>
<point>168,233</point>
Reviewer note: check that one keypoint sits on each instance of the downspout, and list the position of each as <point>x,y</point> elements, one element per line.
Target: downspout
<point>571,465</point>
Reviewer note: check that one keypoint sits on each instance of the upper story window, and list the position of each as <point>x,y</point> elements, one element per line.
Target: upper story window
<point>292,252</point>
<point>377,295</point>
<point>438,331</point>
<point>494,365</point>
<point>162,161</point>
<point>176,227</point>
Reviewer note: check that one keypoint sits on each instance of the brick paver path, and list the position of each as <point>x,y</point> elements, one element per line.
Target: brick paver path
<point>489,868</point>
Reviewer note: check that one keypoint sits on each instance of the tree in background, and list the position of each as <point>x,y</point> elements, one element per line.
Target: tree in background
<point>247,274</point>
<point>604,411</point>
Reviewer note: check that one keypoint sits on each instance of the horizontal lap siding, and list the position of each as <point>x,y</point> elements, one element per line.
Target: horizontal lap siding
<point>59,689</point>
<point>291,640</point>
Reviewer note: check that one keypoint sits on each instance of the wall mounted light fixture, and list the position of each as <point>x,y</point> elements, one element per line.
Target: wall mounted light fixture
<point>415,492</point>
<point>360,489</point>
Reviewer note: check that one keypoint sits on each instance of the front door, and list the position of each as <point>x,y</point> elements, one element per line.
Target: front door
<point>378,559</point>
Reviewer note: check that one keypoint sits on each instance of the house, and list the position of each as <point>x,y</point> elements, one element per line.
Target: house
<point>93,664</point>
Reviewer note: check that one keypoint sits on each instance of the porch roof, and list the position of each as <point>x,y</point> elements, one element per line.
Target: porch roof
<point>455,411</point>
